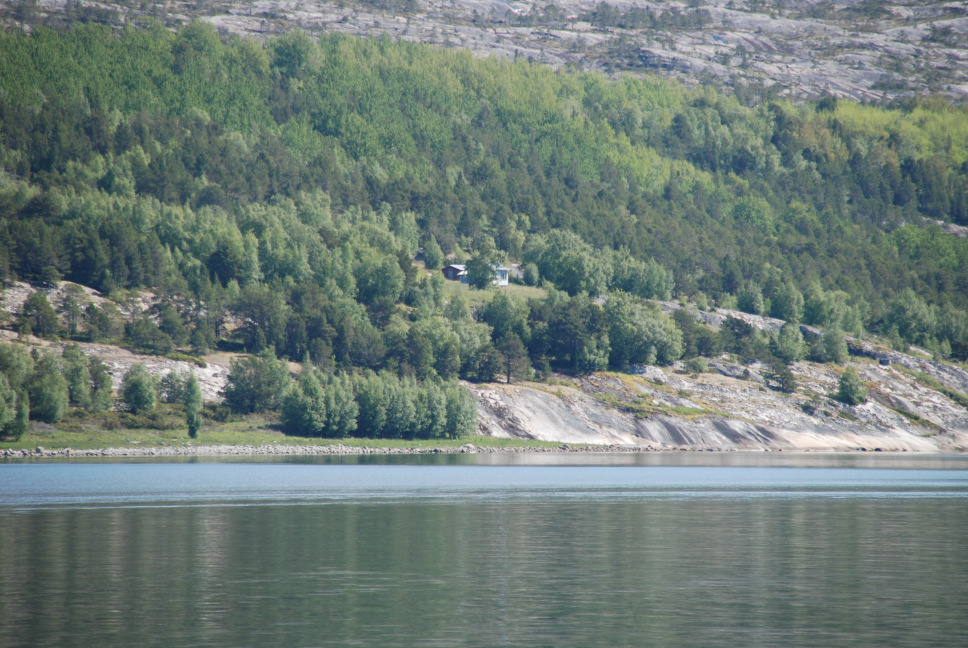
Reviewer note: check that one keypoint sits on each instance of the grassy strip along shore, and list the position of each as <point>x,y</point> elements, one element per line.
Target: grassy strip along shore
<point>246,438</point>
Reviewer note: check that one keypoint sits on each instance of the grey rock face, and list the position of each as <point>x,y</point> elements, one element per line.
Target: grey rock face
<point>864,51</point>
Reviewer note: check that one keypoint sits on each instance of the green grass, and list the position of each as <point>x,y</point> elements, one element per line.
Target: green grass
<point>644,407</point>
<point>254,430</point>
<point>914,418</point>
<point>477,298</point>
<point>931,382</point>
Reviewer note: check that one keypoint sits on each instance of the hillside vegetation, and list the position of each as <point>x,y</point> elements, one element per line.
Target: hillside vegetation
<point>273,197</point>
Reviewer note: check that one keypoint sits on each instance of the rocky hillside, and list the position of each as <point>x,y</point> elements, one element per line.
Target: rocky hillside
<point>915,404</point>
<point>863,50</point>
<point>667,409</point>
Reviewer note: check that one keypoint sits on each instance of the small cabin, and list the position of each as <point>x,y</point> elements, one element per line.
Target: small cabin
<point>455,272</point>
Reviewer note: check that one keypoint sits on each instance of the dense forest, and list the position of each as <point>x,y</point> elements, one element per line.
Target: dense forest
<point>287,186</point>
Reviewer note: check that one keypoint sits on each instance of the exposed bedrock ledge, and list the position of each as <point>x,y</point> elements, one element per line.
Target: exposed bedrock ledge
<point>568,415</point>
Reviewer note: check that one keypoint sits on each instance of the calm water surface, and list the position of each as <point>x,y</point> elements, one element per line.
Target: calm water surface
<point>558,550</point>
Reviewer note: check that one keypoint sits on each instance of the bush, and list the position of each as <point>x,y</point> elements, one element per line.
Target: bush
<point>697,365</point>
<point>851,388</point>
<point>138,390</point>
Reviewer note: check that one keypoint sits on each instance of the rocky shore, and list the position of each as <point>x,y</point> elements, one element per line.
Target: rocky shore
<point>299,450</point>
<point>280,450</point>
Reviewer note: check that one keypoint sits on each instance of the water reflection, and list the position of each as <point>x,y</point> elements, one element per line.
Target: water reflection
<point>806,572</point>
<point>470,553</point>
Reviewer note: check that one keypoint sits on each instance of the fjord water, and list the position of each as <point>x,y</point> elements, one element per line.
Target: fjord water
<point>470,551</point>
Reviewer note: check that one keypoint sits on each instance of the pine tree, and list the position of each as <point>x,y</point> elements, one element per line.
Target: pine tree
<point>515,357</point>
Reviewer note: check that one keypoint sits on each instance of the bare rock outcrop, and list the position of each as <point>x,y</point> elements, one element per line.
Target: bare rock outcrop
<point>668,409</point>
<point>861,50</point>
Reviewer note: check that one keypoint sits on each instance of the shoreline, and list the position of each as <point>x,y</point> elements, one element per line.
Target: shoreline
<point>285,450</point>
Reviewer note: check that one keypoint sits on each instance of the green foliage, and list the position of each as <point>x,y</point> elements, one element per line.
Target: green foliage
<point>505,315</point>
<point>461,413</point>
<point>171,324</point>
<point>637,336</point>
<point>341,409</point>
<point>570,263</point>
<point>786,303</point>
<point>14,410</point>
<point>697,365</point>
<point>70,308</point>
<point>786,381</point>
<point>145,336</point>
<point>171,387</point>
<point>851,389</point>
<point>103,323</point>
<point>285,187</point>
<point>101,386</point>
<point>8,404</point>
<point>17,365</point>
<point>486,362</point>
<point>263,315</point>
<point>514,356</point>
<point>18,427</point>
<point>740,338</point>
<point>48,392</point>
<point>138,390</point>
<point>192,400</point>
<point>77,372</point>
<point>749,299</point>
<point>371,400</point>
<point>788,345</point>
<point>834,346</point>
<point>433,255</point>
<point>303,406</point>
<point>39,315</point>
<point>577,332</point>
<point>256,383</point>
<point>401,409</point>
<point>646,279</point>
<point>531,274</point>
<point>697,338</point>
<point>480,272</point>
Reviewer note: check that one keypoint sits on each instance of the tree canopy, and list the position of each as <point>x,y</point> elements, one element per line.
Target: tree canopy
<point>285,187</point>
